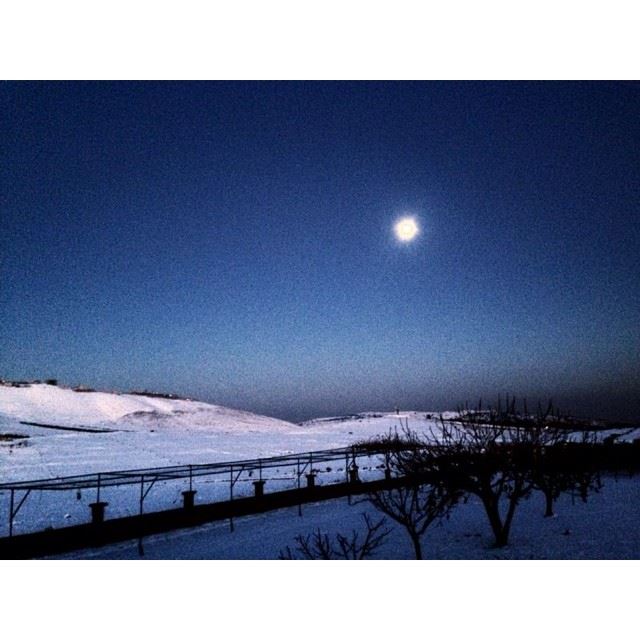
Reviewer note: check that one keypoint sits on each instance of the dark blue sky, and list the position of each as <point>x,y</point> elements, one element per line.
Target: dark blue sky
<point>234,242</point>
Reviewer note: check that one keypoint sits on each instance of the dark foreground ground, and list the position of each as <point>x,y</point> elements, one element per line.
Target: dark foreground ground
<point>606,527</point>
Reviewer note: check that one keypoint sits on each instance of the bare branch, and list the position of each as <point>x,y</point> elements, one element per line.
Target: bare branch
<point>318,546</point>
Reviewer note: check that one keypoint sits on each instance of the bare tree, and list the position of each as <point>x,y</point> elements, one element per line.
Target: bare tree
<point>491,462</point>
<point>498,456</point>
<point>548,442</point>
<point>568,466</point>
<point>319,546</point>
<point>502,456</point>
<point>419,497</point>
<point>558,468</point>
<point>475,456</point>
<point>414,506</point>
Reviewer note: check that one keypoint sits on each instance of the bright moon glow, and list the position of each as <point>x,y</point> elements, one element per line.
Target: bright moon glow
<point>406,229</point>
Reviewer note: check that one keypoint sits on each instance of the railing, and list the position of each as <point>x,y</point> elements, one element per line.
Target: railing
<point>257,471</point>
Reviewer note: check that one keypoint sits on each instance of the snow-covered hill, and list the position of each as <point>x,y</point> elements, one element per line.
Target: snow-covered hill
<point>134,431</point>
<point>105,431</point>
<point>55,405</point>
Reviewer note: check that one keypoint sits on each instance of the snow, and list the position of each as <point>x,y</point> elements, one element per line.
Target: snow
<point>152,432</point>
<point>59,406</point>
<point>603,528</point>
<point>146,431</point>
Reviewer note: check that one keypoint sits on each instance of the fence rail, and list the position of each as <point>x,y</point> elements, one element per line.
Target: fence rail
<point>306,464</point>
<point>132,476</point>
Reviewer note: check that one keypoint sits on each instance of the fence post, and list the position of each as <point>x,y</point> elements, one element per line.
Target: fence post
<point>299,499</point>
<point>188,497</point>
<point>140,545</point>
<point>11,513</point>
<point>188,500</point>
<point>387,466</point>
<point>141,494</point>
<point>258,488</point>
<point>97,512</point>
<point>98,507</point>
<point>230,497</point>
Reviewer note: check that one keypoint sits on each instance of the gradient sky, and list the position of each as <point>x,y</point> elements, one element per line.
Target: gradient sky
<point>233,242</point>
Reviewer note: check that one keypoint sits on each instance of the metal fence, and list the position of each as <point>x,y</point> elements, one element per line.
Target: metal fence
<point>310,465</point>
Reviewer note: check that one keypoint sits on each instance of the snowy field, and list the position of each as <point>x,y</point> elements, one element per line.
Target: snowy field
<point>146,432</point>
<point>141,431</point>
<point>606,527</point>
<point>153,432</point>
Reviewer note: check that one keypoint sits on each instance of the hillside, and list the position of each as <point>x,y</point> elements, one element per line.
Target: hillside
<point>53,405</point>
<point>81,432</point>
<point>125,431</point>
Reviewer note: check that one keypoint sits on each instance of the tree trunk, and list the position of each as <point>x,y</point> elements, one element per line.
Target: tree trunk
<point>502,537</point>
<point>549,504</point>
<point>417,548</point>
<point>500,533</point>
<point>506,525</point>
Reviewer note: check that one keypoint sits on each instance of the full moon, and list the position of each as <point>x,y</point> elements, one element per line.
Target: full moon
<point>406,229</point>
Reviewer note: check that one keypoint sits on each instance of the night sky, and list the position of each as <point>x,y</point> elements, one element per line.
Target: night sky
<point>234,242</point>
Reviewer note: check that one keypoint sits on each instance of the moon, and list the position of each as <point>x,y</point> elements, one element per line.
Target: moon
<point>406,229</point>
